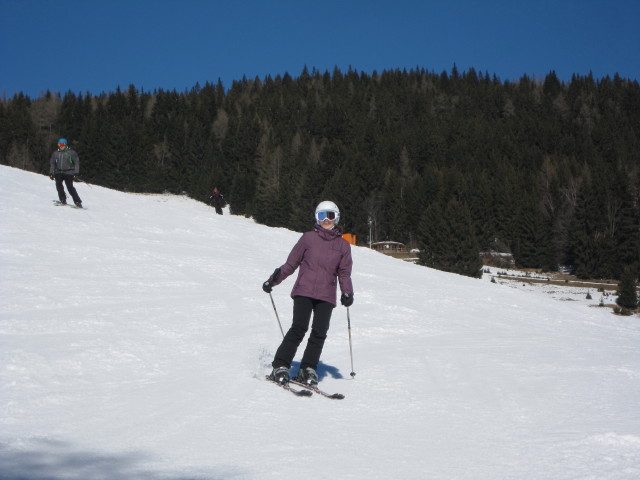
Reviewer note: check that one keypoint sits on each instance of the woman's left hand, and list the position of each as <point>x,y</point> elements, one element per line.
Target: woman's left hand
<point>346,299</point>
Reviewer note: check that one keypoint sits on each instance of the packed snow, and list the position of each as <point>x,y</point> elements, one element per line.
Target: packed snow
<point>135,337</point>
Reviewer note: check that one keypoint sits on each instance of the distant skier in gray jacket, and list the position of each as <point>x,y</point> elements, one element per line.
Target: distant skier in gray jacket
<point>65,167</point>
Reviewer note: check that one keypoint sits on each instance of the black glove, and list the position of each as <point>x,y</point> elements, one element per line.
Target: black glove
<point>268,285</point>
<point>52,176</point>
<point>75,178</point>
<point>346,299</point>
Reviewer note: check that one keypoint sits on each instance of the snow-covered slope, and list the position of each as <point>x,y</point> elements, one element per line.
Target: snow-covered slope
<point>134,336</point>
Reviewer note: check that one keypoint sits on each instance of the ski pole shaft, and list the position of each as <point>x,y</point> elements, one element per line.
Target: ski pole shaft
<point>78,179</point>
<point>353,374</point>
<point>276,312</point>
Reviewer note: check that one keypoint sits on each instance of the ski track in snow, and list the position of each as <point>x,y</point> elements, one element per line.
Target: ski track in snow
<point>134,337</point>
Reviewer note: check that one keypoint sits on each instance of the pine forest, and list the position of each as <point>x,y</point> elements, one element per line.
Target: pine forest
<point>452,163</point>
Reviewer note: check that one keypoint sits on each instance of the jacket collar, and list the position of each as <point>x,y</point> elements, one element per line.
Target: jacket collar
<point>327,234</point>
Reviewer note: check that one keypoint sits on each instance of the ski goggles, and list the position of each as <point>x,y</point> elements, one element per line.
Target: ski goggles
<point>326,215</point>
<point>62,145</point>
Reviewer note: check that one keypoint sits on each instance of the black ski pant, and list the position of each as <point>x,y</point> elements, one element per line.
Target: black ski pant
<point>303,307</point>
<point>68,181</point>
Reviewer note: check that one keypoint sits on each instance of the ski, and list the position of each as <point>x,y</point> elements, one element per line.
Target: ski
<point>58,203</point>
<point>312,388</point>
<point>286,386</point>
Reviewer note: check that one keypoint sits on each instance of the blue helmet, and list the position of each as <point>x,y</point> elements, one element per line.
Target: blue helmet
<point>63,140</point>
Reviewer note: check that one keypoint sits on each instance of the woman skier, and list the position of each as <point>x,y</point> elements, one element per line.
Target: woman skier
<point>323,256</point>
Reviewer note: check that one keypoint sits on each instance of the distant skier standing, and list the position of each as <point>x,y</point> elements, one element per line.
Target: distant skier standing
<point>217,200</point>
<point>323,256</point>
<point>65,167</point>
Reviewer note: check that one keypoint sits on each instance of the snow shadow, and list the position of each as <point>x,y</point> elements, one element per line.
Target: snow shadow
<point>53,460</point>
<point>323,371</point>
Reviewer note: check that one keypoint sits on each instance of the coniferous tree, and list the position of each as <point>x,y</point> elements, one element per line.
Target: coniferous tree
<point>627,290</point>
<point>448,240</point>
<point>625,225</point>
<point>590,242</point>
<point>19,139</point>
<point>531,245</point>
<point>270,185</point>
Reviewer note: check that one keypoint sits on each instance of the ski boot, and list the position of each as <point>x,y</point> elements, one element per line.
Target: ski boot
<point>280,375</point>
<point>308,376</point>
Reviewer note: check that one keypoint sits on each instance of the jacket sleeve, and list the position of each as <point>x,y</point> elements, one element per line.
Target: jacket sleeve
<point>52,162</point>
<point>293,261</point>
<point>76,163</point>
<point>344,271</point>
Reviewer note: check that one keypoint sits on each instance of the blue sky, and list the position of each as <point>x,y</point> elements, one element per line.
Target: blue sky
<point>95,46</point>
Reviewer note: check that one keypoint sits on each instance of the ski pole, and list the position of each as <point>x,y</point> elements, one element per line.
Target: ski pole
<point>353,374</point>
<point>78,179</point>
<point>276,312</point>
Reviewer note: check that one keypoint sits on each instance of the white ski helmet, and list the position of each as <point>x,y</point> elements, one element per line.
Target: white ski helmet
<point>325,207</point>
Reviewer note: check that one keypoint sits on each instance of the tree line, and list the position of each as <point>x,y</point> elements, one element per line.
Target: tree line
<point>452,163</point>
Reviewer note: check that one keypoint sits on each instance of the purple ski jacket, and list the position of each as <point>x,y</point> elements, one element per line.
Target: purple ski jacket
<point>323,256</point>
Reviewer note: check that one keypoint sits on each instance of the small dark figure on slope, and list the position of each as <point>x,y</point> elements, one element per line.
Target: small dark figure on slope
<point>217,200</point>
